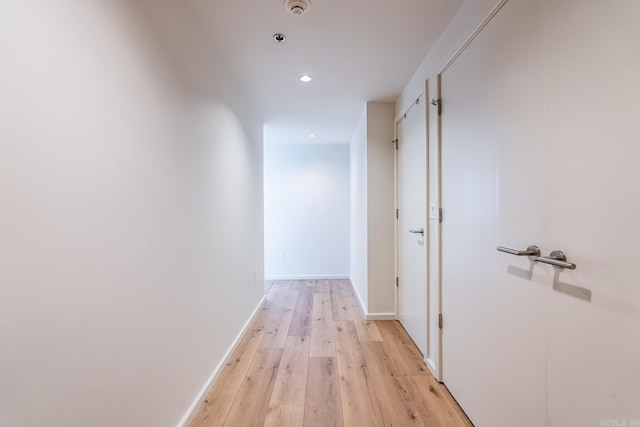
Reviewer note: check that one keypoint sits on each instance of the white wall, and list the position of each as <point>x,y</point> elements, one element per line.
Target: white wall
<point>306,216</point>
<point>465,23</point>
<point>381,207</point>
<point>373,210</point>
<point>131,213</point>
<point>359,240</point>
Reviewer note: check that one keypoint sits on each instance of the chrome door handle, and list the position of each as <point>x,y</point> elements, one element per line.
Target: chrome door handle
<point>558,260</point>
<point>532,252</point>
<point>421,231</point>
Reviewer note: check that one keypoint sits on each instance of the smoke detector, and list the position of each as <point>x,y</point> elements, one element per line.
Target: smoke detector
<point>297,7</point>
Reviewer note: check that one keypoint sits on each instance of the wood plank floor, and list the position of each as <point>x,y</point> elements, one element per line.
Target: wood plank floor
<point>311,359</point>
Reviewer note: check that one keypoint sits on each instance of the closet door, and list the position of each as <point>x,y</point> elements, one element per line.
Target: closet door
<point>540,147</point>
<point>494,341</point>
<point>592,210</point>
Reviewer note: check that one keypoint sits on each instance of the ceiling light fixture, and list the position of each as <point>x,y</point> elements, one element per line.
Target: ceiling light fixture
<point>312,135</point>
<point>279,37</point>
<point>306,78</point>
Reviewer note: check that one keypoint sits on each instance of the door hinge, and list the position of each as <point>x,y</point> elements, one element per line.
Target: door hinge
<point>440,320</point>
<point>397,282</point>
<point>439,214</point>
<point>397,213</point>
<point>437,103</point>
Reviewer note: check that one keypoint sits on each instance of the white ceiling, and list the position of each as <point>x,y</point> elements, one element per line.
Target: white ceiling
<point>356,50</point>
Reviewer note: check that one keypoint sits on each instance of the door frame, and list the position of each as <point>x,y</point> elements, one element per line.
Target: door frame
<point>436,205</point>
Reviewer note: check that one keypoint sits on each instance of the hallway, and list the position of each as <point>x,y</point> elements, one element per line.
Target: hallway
<point>310,358</point>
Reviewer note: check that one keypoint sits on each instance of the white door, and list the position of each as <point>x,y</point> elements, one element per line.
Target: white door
<point>592,199</point>
<point>493,339</point>
<point>539,146</point>
<point>412,223</point>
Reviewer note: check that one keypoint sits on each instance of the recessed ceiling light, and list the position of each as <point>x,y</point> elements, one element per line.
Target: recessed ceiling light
<point>279,37</point>
<point>312,135</point>
<point>306,78</point>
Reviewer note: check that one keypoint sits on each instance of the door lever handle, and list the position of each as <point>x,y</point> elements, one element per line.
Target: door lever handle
<point>558,260</point>
<point>421,232</point>
<point>532,252</point>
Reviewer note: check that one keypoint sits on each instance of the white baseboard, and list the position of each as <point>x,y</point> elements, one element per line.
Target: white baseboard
<point>364,309</point>
<point>372,316</point>
<point>381,316</point>
<point>432,368</point>
<point>188,417</point>
<point>309,277</point>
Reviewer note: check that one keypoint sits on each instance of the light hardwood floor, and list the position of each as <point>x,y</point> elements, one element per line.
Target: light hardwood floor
<point>311,359</point>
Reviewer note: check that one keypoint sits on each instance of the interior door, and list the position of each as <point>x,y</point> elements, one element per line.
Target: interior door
<point>412,223</point>
<point>592,199</point>
<point>539,146</point>
<point>493,339</point>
